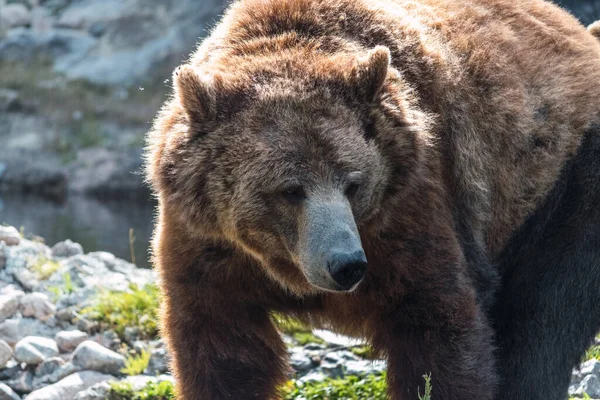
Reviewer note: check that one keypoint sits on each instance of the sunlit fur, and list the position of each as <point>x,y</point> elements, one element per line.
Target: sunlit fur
<point>459,123</point>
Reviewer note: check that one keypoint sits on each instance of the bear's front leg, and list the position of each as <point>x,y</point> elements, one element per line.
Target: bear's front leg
<point>457,353</point>
<point>226,352</point>
<point>222,342</point>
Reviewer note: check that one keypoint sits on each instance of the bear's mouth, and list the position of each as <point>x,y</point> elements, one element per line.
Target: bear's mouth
<point>329,285</point>
<point>342,276</point>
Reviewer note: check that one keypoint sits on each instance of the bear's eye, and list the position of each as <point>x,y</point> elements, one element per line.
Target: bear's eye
<point>293,194</point>
<point>354,180</point>
<point>351,189</point>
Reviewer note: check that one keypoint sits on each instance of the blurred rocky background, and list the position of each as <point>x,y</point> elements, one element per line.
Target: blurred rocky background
<point>80,81</point>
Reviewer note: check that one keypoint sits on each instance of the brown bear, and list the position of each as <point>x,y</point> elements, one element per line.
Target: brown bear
<point>420,174</point>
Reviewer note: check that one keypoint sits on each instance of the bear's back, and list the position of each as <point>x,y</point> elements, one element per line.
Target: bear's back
<point>528,77</point>
<point>513,85</point>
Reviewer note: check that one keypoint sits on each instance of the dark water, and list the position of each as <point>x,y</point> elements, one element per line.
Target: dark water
<point>96,225</point>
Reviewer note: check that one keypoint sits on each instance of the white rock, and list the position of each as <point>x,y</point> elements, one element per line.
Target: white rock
<point>35,349</point>
<point>14,14</point>
<point>313,377</point>
<point>68,388</point>
<point>9,304</point>
<point>138,382</point>
<point>9,234</point>
<point>67,341</point>
<point>90,355</point>
<point>159,362</point>
<point>363,367</point>
<point>333,338</point>
<point>590,385</point>
<point>93,270</point>
<point>41,19</point>
<point>590,367</point>
<point>26,278</point>
<point>54,376</point>
<point>11,290</point>
<point>99,391</point>
<point>49,366</point>
<point>66,249</point>
<point>37,305</point>
<point>12,330</point>
<point>6,393</point>
<point>5,353</point>
<point>21,382</point>
<point>26,353</point>
<point>10,370</point>
<point>83,14</point>
<point>300,361</point>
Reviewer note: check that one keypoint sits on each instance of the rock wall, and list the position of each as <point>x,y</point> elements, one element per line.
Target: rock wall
<point>80,81</point>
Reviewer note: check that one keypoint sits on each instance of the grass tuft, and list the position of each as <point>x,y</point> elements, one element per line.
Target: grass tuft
<point>136,308</point>
<point>372,387</point>
<point>300,331</point>
<point>304,338</point>
<point>366,352</point>
<point>136,364</point>
<point>44,268</point>
<point>152,391</point>
<point>592,353</point>
<point>427,394</point>
<point>289,325</point>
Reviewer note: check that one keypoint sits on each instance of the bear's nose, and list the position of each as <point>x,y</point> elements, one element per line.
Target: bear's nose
<point>347,269</point>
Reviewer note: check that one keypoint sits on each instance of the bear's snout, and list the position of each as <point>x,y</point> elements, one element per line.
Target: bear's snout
<point>347,269</point>
<point>331,253</point>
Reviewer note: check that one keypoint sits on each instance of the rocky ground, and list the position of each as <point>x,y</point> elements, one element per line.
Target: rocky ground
<point>49,349</point>
<point>53,348</point>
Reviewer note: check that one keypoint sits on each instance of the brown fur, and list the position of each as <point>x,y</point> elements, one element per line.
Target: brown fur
<point>594,29</point>
<point>479,108</point>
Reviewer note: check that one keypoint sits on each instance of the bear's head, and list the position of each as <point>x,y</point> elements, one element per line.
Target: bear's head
<point>289,159</point>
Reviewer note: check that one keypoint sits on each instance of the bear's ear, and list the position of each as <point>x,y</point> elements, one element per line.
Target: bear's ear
<point>594,29</point>
<point>195,94</point>
<point>371,71</point>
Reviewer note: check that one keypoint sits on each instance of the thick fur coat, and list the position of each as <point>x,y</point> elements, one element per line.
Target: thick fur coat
<point>443,125</point>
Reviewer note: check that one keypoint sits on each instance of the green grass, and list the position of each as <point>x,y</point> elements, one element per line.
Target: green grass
<point>366,352</point>
<point>152,391</point>
<point>289,325</point>
<point>592,352</point>
<point>585,397</point>
<point>136,308</point>
<point>371,387</point>
<point>304,338</point>
<point>427,394</point>
<point>67,287</point>
<point>300,331</point>
<point>43,268</point>
<point>136,364</point>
